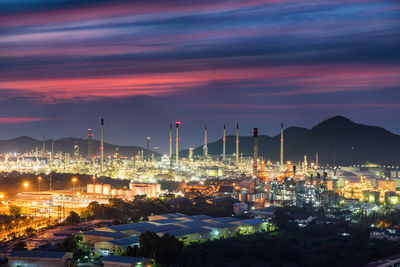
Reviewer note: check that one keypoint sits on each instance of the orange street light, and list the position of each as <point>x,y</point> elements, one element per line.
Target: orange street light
<point>26,185</point>
<point>74,180</point>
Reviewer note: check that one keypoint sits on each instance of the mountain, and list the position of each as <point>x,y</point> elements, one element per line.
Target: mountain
<point>66,145</point>
<point>337,140</point>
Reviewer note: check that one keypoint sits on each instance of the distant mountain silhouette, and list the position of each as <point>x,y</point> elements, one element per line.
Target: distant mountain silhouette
<point>24,144</point>
<point>337,140</point>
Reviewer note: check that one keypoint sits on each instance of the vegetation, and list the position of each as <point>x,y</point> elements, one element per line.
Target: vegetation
<point>140,208</point>
<point>73,218</point>
<point>310,246</point>
<point>15,211</point>
<point>165,250</point>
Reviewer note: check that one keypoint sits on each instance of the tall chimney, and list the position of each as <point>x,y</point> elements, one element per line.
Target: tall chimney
<point>281,161</point>
<point>177,143</point>
<point>237,144</point>
<point>102,146</point>
<point>44,147</point>
<point>255,151</point>
<point>170,143</point>
<point>205,148</point>
<point>316,159</point>
<point>148,142</point>
<point>90,144</point>
<point>52,149</point>
<point>224,143</point>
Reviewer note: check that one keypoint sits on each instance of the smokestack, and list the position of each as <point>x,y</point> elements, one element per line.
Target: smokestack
<point>177,143</point>
<point>90,144</point>
<point>148,142</point>
<point>316,159</point>
<point>205,144</point>
<point>102,146</point>
<point>237,144</point>
<point>44,146</point>
<point>255,151</point>
<point>52,148</point>
<point>282,146</point>
<point>224,143</point>
<point>170,143</point>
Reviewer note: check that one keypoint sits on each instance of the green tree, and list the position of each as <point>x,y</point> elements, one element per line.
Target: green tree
<point>29,231</point>
<point>148,245</point>
<point>15,211</point>
<point>73,218</point>
<point>168,249</point>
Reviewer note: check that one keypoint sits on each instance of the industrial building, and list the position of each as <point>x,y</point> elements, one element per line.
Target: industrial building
<point>114,240</point>
<point>39,258</point>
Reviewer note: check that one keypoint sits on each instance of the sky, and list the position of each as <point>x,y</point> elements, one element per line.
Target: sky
<point>142,65</point>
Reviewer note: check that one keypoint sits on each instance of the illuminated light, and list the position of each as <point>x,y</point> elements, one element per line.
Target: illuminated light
<point>224,139</point>
<point>101,148</point>
<point>237,142</point>
<point>26,184</point>
<point>255,165</point>
<point>178,123</point>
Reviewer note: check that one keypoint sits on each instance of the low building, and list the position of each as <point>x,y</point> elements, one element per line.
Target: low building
<point>117,261</point>
<point>115,246</point>
<point>100,236</point>
<point>37,258</point>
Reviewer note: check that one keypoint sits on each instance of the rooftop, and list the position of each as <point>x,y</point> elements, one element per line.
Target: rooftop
<point>124,259</point>
<point>125,241</point>
<point>37,254</point>
<point>104,234</point>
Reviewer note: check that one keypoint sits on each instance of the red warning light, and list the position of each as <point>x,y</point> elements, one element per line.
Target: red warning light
<point>178,122</point>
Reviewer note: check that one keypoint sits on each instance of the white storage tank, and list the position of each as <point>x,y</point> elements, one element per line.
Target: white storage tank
<point>114,192</point>
<point>90,188</point>
<point>98,189</point>
<point>106,189</point>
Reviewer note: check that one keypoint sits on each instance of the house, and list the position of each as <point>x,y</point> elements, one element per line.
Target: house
<point>38,258</point>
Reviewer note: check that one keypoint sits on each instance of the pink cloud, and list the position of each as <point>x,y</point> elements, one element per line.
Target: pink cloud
<point>296,80</point>
<point>13,120</point>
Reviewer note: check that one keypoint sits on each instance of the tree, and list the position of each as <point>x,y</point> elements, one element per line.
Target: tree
<point>29,231</point>
<point>73,218</point>
<point>15,211</point>
<point>20,246</point>
<point>132,251</point>
<point>148,245</point>
<point>168,249</point>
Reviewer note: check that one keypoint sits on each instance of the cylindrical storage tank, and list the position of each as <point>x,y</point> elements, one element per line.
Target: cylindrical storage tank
<point>128,194</point>
<point>90,188</point>
<point>114,192</point>
<point>158,189</point>
<point>106,189</point>
<point>98,189</point>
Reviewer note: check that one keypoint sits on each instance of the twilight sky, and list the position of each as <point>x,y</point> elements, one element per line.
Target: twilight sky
<point>144,64</point>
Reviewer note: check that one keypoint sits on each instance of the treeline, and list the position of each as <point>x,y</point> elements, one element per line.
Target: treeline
<point>311,246</point>
<point>141,208</point>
